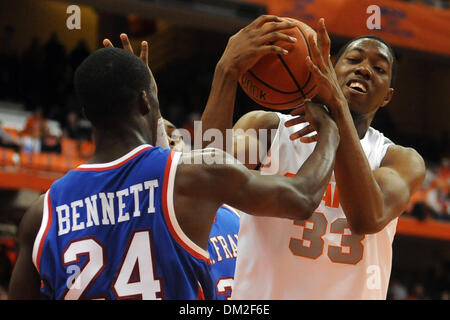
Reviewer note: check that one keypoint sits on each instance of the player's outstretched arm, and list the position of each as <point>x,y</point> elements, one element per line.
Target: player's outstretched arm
<point>370,199</point>
<point>25,280</point>
<point>243,50</point>
<point>201,188</point>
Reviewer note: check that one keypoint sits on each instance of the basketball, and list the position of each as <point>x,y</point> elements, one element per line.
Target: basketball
<point>282,82</point>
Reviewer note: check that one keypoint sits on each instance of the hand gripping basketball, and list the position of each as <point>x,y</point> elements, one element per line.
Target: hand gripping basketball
<point>254,41</point>
<point>282,81</point>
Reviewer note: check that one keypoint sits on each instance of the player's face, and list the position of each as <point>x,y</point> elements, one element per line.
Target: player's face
<point>364,73</point>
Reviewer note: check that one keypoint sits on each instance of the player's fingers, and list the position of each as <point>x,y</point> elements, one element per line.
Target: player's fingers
<point>272,49</point>
<point>107,43</point>
<point>295,121</point>
<point>315,53</point>
<point>310,139</point>
<point>144,52</point>
<point>323,40</point>
<point>258,22</point>
<point>126,42</point>
<point>303,132</point>
<point>317,74</point>
<point>276,36</point>
<point>276,26</point>
<point>299,110</point>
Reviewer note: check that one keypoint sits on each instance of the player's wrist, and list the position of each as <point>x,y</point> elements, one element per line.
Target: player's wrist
<point>338,109</point>
<point>329,132</point>
<point>227,70</point>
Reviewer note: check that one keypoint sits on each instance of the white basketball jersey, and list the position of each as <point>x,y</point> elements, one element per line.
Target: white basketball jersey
<point>317,258</point>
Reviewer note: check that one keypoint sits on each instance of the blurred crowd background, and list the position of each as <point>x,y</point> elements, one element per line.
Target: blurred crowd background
<point>43,133</point>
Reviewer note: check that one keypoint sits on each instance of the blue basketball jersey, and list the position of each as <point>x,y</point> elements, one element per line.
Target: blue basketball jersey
<point>109,231</point>
<point>222,248</point>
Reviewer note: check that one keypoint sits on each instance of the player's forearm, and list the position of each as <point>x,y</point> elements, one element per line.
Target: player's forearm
<point>218,113</point>
<point>314,175</point>
<point>359,194</point>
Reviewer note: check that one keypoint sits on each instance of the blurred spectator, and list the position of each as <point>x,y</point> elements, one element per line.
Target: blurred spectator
<point>78,54</point>
<point>5,267</point>
<point>6,141</point>
<point>34,130</point>
<point>73,128</point>
<point>36,124</point>
<point>50,143</point>
<point>432,200</point>
<point>36,136</point>
<point>418,293</point>
<point>55,68</point>
<point>444,172</point>
<point>8,65</point>
<point>398,291</point>
<point>3,293</point>
<point>31,74</point>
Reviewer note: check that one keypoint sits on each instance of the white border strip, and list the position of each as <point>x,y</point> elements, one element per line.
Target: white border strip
<point>232,209</point>
<point>170,207</point>
<point>44,222</point>
<point>114,162</point>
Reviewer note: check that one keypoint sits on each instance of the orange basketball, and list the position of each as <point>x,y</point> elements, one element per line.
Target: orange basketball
<point>282,82</point>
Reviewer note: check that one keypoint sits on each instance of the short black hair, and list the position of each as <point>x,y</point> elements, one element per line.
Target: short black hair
<point>371,36</point>
<point>109,82</point>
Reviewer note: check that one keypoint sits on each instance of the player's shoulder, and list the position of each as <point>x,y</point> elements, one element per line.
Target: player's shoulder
<point>397,154</point>
<point>258,119</point>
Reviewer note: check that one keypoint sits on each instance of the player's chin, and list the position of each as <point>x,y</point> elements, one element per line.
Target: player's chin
<point>357,105</point>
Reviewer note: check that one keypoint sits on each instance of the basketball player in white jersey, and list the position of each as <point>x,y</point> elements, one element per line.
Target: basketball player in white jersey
<point>344,251</point>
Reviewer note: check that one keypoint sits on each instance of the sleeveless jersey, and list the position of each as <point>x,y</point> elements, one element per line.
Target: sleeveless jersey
<point>109,231</point>
<point>317,258</point>
<point>222,248</point>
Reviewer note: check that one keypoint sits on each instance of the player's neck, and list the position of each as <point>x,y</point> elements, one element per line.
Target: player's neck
<point>112,145</point>
<point>362,123</point>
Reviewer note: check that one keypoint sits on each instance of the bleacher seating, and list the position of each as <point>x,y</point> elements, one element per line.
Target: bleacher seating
<point>73,152</point>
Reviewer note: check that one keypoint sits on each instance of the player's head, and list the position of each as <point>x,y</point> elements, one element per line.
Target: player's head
<point>174,136</point>
<point>116,90</point>
<point>366,69</point>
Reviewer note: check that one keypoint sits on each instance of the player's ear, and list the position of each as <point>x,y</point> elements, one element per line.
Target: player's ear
<point>144,103</point>
<point>388,97</point>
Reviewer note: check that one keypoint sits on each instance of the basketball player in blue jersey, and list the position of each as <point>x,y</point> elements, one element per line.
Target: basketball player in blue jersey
<point>223,238</point>
<point>134,222</point>
<point>222,248</point>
